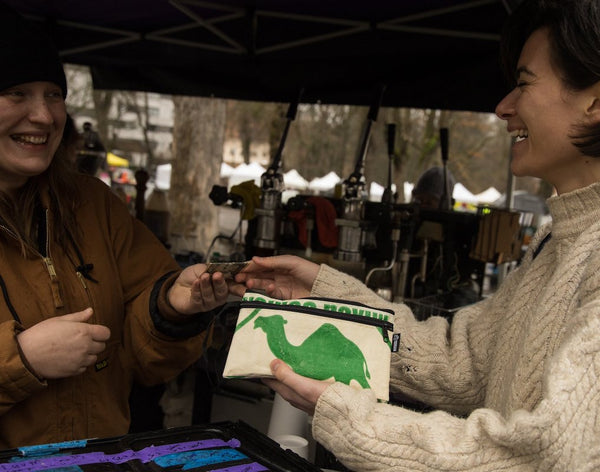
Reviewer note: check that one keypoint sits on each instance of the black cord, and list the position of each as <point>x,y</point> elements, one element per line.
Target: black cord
<point>541,246</point>
<point>7,300</point>
<point>83,268</point>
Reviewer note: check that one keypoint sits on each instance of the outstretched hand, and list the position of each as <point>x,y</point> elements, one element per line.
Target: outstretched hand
<point>301,392</point>
<point>195,290</point>
<point>283,277</point>
<point>63,346</point>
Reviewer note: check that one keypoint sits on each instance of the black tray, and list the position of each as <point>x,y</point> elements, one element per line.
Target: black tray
<point>218,447</point>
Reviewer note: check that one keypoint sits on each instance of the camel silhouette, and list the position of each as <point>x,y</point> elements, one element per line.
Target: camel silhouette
<point>323,354</point>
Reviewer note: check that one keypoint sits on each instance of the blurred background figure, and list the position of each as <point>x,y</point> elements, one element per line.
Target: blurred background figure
<point>428,192</point>
<point>92,154</point>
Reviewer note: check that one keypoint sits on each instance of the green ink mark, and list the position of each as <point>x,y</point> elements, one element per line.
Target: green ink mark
<point>323,354</point>
<point>248,318</point>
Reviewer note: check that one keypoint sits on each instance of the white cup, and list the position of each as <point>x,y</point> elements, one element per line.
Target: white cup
<point>286,419</point>
<point>295,443</point>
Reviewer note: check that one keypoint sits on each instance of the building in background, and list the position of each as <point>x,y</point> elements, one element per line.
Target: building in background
<point>138,126</point>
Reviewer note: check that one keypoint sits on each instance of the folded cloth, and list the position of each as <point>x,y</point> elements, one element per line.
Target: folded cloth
<point>325,215</point>
<point>250,193</point>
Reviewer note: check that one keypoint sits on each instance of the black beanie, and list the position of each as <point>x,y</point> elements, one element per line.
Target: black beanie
<point>27,54</point>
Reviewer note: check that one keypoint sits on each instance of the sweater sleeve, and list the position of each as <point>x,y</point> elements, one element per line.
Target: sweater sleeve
<point>560,434</point>
<point>439,364</point>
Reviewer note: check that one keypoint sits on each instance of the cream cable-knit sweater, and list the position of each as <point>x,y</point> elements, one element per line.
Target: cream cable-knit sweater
<point>516,374</point>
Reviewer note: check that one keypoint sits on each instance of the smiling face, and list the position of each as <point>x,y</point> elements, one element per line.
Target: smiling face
<point>32,120</point>
<point>541,114</point>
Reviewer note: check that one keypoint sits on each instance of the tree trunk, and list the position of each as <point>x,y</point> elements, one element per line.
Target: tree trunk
<point>102,103</point>
<point>198,136</point>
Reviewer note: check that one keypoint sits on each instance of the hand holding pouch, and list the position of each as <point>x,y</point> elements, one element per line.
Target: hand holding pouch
<point>320,338</point>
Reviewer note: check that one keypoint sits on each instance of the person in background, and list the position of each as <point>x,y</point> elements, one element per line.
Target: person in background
<point>91,156</point>
<point>447,269</point>
<point>429,192</point>
<point>71,140</point>
<point>515,378</point>
<point>91,300</point>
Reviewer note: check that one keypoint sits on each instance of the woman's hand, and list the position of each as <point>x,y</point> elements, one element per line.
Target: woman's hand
<point>63,346</point>
<point>195,290</point>
<point>281,277</point>
<point>301,392</point>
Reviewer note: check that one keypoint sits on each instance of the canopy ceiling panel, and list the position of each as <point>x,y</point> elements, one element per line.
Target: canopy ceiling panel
<point>427,53</point>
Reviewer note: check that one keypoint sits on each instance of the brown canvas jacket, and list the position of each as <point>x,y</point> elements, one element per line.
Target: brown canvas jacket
<point>127,262</point>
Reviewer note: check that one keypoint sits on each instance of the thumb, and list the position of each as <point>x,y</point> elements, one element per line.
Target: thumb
<point>264,262</point>
<point>79,316</point>
<point>100,333</point>
<point>280,369</point>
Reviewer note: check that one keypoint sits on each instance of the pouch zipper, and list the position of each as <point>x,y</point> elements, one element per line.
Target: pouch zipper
<point>383,325</point>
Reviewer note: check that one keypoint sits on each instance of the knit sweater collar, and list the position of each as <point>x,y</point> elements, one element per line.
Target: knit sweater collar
<point>575,211</point>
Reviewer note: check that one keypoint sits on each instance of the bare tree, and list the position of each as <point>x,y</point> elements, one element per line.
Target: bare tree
<point>250,122</point>
<point>103,100</point>
<point>198,136</point>
<point>324,138</point>
<point>137,103</point>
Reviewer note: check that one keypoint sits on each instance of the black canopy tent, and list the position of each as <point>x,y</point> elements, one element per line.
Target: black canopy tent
<point>428,53</point>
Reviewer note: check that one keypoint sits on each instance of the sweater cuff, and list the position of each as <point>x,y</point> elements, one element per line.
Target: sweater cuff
<point>334,413</point>
<point>331,282</point>
<point>169,321</point>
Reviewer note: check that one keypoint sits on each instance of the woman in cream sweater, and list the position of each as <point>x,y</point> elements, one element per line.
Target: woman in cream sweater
<point>514,378</point>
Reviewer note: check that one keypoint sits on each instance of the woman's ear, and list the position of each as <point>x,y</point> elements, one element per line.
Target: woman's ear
<point>593,109</point>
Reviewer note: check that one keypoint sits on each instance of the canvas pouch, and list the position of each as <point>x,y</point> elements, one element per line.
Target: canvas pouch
<point>320,338</point>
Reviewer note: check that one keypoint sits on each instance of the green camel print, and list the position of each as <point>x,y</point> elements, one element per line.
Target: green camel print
<point>324,354</point>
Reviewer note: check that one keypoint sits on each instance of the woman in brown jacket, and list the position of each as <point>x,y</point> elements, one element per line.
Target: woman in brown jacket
<point>91,300</point>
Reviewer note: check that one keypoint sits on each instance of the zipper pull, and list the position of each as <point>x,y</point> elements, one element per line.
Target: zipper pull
<point>81,279</point>
<point>54,284</point>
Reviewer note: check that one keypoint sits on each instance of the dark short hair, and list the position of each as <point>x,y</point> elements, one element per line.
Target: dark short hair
<point>574,32</point>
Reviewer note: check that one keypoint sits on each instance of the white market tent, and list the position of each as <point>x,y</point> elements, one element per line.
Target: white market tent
<point>163,176</point>
<point>294,183</point>
<point>488,196</point>
<point>324,184</point>
<point>376,191</point>
<point>408,188</point>
<point>293,180</point>
<point>463,195</point>
<point>245,172</point>
<point>226,170</point>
